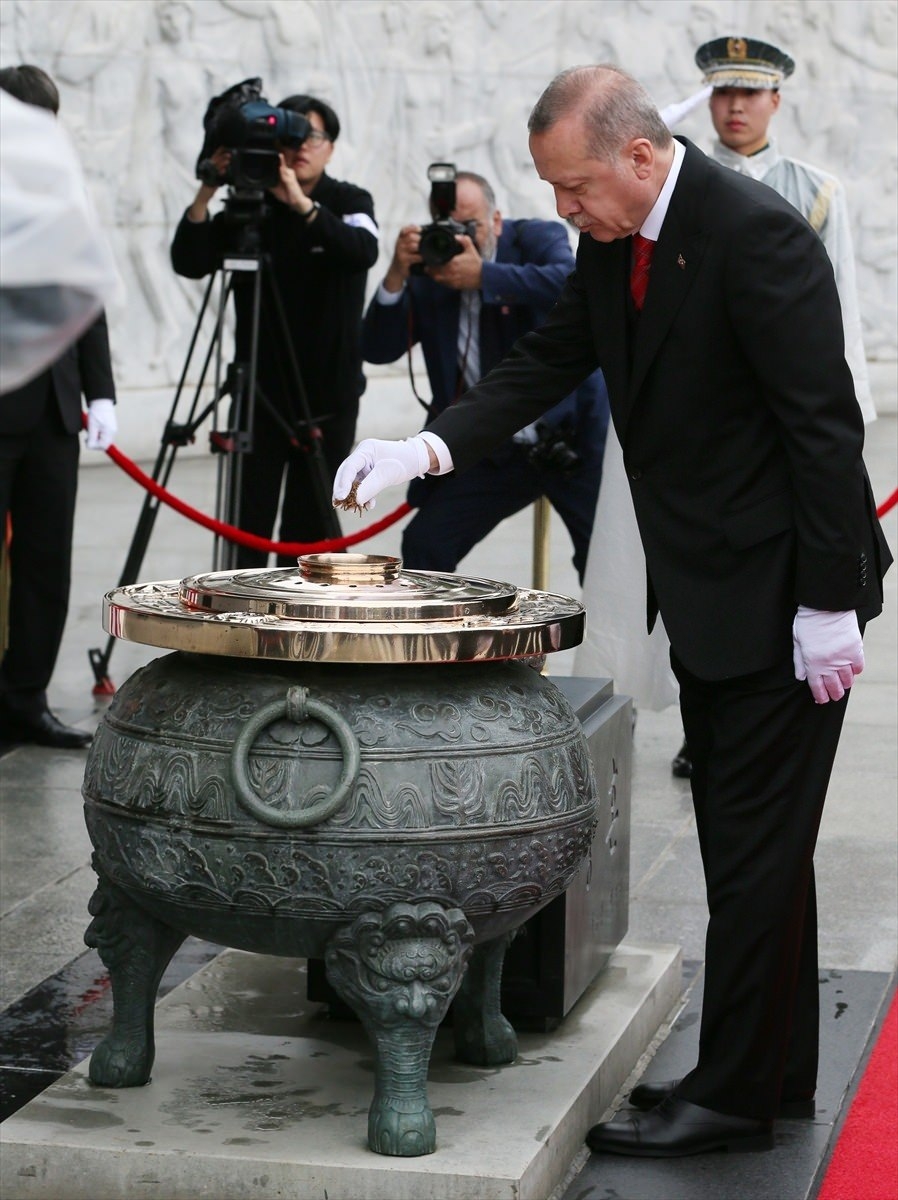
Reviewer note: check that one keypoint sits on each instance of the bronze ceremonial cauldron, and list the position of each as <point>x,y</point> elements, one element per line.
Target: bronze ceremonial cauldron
<point>348,762</point>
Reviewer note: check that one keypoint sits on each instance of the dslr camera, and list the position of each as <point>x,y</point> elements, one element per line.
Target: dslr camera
<point>242,121</point>
<point>438,242</point>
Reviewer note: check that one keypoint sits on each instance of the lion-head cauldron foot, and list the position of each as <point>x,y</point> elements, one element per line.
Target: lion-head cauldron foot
<point>135,948</point>
<point>399,971</point>
<point>482,1035</point>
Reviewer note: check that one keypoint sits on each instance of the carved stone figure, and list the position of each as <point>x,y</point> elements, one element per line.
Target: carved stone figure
<point>416,80</point>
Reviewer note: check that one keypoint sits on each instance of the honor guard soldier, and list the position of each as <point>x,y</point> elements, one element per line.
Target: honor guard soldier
<point>746,75</point>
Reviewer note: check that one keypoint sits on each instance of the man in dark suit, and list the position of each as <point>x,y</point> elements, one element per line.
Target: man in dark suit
<point>723,353</point>
<point>466,314</point>
<point>39,427</point>
<point>746,75</point>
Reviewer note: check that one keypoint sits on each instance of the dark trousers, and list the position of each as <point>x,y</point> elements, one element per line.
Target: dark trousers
<point>458,510</point>
<point>306,495</point>
<point>38,484</point>
<point>762,754</point>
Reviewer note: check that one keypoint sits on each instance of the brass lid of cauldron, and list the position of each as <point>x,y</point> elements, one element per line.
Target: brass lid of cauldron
<point>346,608</point>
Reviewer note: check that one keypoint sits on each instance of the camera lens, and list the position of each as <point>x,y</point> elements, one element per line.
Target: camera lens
<point>255,168</point>
<point>438,245</point>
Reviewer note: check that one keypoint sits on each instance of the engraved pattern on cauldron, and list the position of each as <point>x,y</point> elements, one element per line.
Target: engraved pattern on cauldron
<point>135,775</point>
<point>475,789</point>
<point>485,875</point>
<point>156,751</point>
<point>151,777</point>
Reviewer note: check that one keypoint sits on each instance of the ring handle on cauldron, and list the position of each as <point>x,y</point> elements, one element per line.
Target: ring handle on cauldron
<point>297,706</point>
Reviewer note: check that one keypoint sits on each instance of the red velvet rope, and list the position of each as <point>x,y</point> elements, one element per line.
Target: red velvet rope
<point>232,534</point>
<point>888,504</point>
<point>252,540</point>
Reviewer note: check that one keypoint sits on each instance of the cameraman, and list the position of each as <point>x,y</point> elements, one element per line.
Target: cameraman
<point>467,313</point>
<point>318,237</point>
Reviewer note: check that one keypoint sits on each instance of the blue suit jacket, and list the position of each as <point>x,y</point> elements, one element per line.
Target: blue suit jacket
<point>533,260</point>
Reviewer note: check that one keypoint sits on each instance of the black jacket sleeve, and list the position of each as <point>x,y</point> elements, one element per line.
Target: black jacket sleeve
<point>95,362</point>
<point>196,247</point>
<point>344,226</point>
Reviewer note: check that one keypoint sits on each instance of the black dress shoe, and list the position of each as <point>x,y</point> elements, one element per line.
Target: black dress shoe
<point>648,1095</point>
<point>44,730</point>
<point>681,766</point>
<point>677,1128</point>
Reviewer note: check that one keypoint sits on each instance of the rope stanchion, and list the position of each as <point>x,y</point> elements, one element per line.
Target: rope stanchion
<point>232,534</point>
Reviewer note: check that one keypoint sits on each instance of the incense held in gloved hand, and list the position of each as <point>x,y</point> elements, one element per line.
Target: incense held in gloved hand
<point>350,502</point>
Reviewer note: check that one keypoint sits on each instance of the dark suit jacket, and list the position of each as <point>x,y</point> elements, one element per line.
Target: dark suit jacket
<point>85,367</point>
<point>735,409</point>
<point>533,260</point>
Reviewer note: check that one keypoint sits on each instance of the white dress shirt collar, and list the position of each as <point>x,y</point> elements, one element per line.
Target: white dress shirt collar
<point>651,226</point>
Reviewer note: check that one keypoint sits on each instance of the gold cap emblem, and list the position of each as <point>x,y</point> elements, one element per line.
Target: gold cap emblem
<point>737,48</point>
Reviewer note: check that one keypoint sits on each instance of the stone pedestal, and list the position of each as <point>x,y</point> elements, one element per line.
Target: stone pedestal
<point>256,1093</point>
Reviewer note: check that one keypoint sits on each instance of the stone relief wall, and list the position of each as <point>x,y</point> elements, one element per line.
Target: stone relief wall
<point>418,80</point>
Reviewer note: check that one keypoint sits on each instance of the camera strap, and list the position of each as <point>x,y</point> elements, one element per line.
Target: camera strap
<point>460,385</point>
<point>427,405</point>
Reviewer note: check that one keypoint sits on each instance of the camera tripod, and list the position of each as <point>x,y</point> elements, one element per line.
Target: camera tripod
<point>239,381</point>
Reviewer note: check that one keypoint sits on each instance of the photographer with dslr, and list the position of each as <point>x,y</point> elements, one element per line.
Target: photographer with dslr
<point>318,237</point>
<point>467,287</point>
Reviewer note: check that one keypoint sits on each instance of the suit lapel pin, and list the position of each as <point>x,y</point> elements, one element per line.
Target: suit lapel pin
<point>681,262</point>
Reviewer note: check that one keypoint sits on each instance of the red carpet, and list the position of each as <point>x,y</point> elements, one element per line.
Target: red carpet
<point>864,1165</point>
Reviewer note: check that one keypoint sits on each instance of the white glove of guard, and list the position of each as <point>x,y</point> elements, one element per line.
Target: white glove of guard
<point>380,464</point>
<point>102,425</point>
<point>827,650</point>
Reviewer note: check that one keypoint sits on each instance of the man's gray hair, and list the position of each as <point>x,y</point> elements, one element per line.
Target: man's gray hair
<point>488,194</point>
<point>614,106</point>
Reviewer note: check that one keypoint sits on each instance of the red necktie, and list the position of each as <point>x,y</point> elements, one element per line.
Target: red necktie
<point>639,273</point>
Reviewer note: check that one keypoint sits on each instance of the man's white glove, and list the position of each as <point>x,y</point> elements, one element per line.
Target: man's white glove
<point>102,425</point>
<point>379,464</point>
<point>827,650</point>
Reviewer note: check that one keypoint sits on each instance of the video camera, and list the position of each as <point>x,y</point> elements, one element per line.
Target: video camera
<point>242,121</point>
<point>438,240</point>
